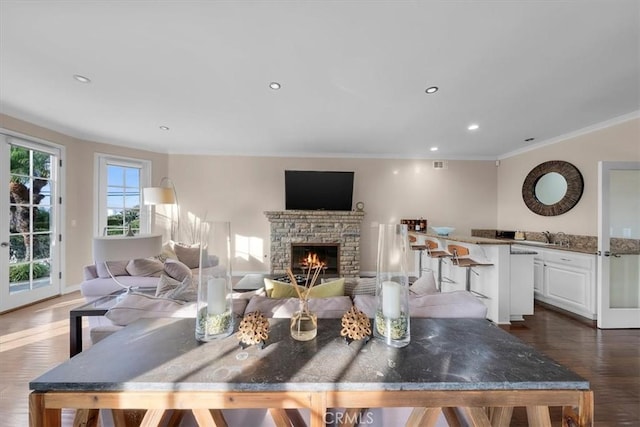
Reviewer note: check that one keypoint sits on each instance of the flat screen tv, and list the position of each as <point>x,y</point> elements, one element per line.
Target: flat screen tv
<point>318,190</point>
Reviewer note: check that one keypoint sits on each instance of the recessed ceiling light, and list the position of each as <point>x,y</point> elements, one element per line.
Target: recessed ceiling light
<point>81,79</point>
<point>275,85</point>
<point>433,148</point>
<point>529,139</point>
<point>473,127</point>
<point>164,128</point>
<point>432,89</point>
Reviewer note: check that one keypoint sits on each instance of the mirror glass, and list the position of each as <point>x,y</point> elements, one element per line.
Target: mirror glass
<point>551,188</point>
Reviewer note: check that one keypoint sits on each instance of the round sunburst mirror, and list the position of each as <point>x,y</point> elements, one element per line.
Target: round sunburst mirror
<point>552,188</point>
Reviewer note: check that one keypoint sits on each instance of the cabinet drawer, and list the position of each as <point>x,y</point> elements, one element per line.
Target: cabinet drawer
<point>570,259</point>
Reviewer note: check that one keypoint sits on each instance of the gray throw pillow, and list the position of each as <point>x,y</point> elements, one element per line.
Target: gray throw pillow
<point>117,268</point>
<point>188,255</point>
<point>176,270</point>
<point>365,286</point>
<point>145,267</point>
<point>166,285</point>
<point>186,291</point>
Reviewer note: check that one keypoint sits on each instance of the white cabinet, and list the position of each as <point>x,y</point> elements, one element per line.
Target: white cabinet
<point>521,279</point>
<point>566,280</point>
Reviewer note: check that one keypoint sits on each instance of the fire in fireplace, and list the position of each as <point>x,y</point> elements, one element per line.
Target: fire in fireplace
<point>306,255</point>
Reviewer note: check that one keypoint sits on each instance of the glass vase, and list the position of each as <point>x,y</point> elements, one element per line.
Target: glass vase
<point>304,323</point>
<point>215,305</point>
<point>392,286</point>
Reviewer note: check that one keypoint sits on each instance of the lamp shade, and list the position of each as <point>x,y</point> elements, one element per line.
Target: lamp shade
<point>159,196</point>
<point>121,248</point>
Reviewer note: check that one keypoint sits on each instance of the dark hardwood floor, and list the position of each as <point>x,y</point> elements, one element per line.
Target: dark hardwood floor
<point>36,338</point>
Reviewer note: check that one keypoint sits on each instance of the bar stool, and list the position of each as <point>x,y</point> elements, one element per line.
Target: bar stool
<point>457,251</point>
<point>432,252</point>
<point>420,248</point>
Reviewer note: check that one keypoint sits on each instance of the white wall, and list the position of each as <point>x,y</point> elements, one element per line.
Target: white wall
<point>240,189</point>
<point>620,142</point>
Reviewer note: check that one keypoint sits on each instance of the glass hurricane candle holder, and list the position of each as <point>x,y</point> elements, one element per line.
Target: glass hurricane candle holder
<point>391,323</point>
<point>215,305</point>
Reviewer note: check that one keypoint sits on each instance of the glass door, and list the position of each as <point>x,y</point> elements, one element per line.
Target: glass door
<point>29,246</point>
<point>619,245</point>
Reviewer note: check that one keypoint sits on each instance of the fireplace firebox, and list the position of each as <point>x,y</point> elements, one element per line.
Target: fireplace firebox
<point>304,255</point>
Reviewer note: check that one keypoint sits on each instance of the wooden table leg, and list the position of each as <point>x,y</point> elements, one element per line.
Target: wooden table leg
<point>478,416</point>
<point>424,417</point>
<point>39,415</point>
<point>209,417</point>
<point>86,418</point>
<point>318,409</point>
<point>584,415</point>
<point>451,416</point>
<point>500,416</point>
<point>539,416</point>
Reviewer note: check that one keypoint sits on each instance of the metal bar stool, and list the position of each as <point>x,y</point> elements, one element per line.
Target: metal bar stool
<point>457,251</point>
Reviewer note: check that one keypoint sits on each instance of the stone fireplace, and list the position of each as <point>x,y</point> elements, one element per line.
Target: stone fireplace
<point>339,229</point>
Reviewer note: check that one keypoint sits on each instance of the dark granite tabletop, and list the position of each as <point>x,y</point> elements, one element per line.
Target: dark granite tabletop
<point>444,354</point>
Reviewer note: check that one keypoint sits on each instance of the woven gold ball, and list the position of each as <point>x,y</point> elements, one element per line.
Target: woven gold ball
<point>355,325</point>
<point>253,329</point>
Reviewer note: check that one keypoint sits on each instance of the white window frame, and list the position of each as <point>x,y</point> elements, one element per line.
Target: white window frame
<point>100,182</point>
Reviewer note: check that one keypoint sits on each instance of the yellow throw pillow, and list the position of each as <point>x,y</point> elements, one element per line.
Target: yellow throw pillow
<point>330,289</point>
<point>269,284</point>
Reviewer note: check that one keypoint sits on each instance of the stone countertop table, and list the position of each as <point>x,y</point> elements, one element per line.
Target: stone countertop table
<point>444,354</point>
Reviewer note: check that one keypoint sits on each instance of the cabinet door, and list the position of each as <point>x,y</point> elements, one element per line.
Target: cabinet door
<point>569,288</point>
<point>538,277</point>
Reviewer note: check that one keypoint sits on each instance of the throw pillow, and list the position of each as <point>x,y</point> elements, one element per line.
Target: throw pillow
<point>117,268</point>
<point>166,285</point>
<point>325,308</point>
<point>425,285</point>
<point>176,270</point>
<point>145,267</point>
<point>268,285</point>
<point>365,286</point>
<point>188,255</point>
<point>134,306</point>
<point>168,252</point>
<point>330,289</point>
<point>186,291</point>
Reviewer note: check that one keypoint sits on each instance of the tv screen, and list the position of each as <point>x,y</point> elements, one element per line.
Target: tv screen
<point>318,190</point>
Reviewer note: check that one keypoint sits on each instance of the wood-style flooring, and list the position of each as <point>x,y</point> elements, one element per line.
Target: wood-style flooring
<point>36,338</point>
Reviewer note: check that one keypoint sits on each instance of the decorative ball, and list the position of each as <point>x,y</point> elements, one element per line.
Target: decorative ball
<point>253,329</point>
<point>355,325</point>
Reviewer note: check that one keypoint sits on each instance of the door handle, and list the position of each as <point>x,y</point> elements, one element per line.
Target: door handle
<point>608,253</point>
<point>4,244</point>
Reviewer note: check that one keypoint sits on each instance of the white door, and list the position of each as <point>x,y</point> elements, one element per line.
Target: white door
<point>618,234</point>
<point>29,245</point>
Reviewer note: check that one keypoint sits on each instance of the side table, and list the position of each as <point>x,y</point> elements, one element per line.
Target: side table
<point>97,307</point>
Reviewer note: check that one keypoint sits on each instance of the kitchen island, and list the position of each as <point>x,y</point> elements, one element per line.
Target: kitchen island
<point>504,283</point>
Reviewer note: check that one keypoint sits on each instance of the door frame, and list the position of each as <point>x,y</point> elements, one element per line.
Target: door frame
<point>608,317</point>
<point>58,261</point>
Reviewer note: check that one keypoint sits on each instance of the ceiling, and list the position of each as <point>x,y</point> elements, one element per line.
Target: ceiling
<point>353,74</point>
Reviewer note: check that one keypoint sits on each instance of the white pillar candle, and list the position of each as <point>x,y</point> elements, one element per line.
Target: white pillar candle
<point>391,299</point>
<point>216,295</point>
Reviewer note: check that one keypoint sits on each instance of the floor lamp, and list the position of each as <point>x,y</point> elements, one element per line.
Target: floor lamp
<point>165,194</point>
<point>123,248</point>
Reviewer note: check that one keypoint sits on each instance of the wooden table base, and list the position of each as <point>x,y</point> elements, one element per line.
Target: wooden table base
<point>483,408</point>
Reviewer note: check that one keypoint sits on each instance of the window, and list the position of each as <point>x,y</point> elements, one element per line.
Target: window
<point>120,183</point>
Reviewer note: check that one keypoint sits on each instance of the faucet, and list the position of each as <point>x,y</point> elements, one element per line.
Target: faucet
<point>561,239</point>
<point>547,236</point>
